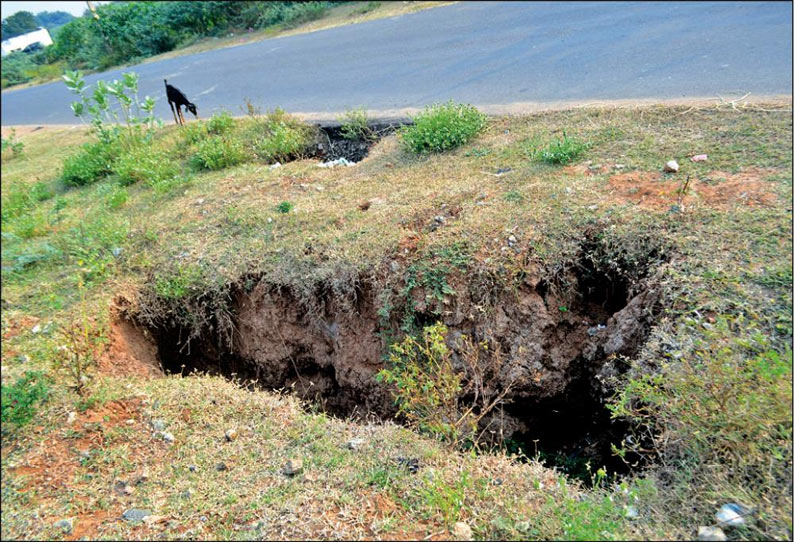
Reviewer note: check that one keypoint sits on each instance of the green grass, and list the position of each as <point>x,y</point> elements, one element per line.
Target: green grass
<point>442,127</point>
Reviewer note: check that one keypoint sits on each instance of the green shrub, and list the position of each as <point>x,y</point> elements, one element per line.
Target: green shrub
<point>563,150</point>
<point>19,399</point>
<point>92,163</point>
<point>284,207</point>
<point>195,132</point>
<point>12,144</point>
<point>718,415</point>
<point>281,137</point>
<point>41,191</point>
<point>355,124</point>
<point>216,153</point>
<point>220,123</point>
<point>442,127</point>
<point>117,198</point>
<point>146,165</point>
<point>428,389</point>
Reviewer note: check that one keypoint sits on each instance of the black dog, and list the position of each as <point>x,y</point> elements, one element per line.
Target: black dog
<point>175,96</point>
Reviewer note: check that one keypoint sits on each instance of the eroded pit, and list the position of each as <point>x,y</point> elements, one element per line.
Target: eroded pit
<point>333,142</point>
<point>562,349</point>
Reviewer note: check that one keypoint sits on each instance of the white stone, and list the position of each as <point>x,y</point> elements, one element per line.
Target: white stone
<point>462,531</point>
<point>671,167</point>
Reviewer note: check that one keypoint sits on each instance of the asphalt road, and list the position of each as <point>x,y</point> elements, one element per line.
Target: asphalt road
<point>476,52</point>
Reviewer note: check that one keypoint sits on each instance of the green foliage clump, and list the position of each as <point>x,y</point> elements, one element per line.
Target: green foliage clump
<point>12,144</point>
<point>217,152</point>
<point>717,414</point>
<point>284,207</point>
<point>428,389</point>
<point>355,124</point>
<point>20,398</point>
<point>442,127</point>
<point>220,124</point>
<point>280,137</point>
<point>563,151</point>
<point>148,166</point>
<point>93,163</point>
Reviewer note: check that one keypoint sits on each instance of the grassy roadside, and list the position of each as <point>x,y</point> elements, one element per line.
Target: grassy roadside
<point>349,13</point>
<point>732,261</point>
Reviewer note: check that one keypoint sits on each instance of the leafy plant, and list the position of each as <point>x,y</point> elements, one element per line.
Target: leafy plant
<point>146,165</point>
<point>92,163</point>
<point>217,152</point>
<point>138,117</point>
<point>284,207</point>
<point>428,389</point>
<point>563,151</point>
<point>442,127</point>
<point>220,123</point>
<point>13,144</point>
<point>20,398</point>
<point>355,124</point>
<point>280,137</point>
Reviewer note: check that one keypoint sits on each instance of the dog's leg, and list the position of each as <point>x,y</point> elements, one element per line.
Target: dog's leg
<point>172,111</point>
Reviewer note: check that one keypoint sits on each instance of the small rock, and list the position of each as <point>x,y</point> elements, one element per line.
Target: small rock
<point>36,329</point>
<point>619,166</point>
<point>168,437</point>
<point>439,219</point>
<point>200,201</point>
<point>671,167</point>
<point>319,187</point>
<point>130,421</point>
<point>592,207</point>
<point>593,331</point>
<point>151,520</point>
<point>127,489</point>
<point>394,266</point>
<point>158,425</point>
<point>192,468</point>
<point>503,170</point>
<point>116,251</point>
<point>355,443</point>
<point>221,467</point>
<point>71,418</point>
<point>274,166</point>
<point>231,435</point>
<point>64,525</point>
<point>732,515</point>
<point>410,463</point>
<point>711,533</point>
<point>512,240</point>
<point>188,493</point>
<point>462,531</point>
<point>700,158</point>
<point>135,514</point>
<point>632,512</point>
<point>293,467</point>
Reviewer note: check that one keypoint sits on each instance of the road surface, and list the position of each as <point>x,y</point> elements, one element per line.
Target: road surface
<point>479,53</point>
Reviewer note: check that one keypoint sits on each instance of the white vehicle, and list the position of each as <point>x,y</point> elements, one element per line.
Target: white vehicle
<point>18,43</point>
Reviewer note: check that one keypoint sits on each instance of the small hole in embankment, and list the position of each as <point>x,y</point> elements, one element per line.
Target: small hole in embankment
<point>332,143</point>
<point>561,352</point>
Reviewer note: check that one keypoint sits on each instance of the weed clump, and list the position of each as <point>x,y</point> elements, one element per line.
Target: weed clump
<point>428,390</point>
<point>355,124</point>
<point>280,137</point>
<point>442,127</point>
<point>93,163</point>
<point>12,144</point>
<point>20,398</point>
<point>563,151</point>
<point>146,165</point>
<point>284,207</point>
<point>217,152</point>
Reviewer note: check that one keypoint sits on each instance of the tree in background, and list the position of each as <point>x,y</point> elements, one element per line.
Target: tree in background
<point>17,24</point>
<point>53,19</point>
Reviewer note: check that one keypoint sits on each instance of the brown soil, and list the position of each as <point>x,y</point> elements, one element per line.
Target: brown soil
<point>53,465</point>
<point>130,351</point>
<point>717,189</point>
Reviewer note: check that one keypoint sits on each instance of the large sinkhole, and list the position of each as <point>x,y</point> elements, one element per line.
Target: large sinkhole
<point>563,347</point>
